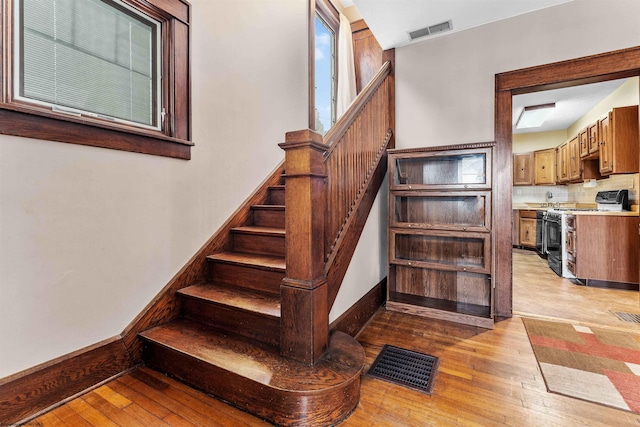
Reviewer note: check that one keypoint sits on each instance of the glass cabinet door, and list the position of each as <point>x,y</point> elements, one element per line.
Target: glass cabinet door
<point>464,211</point>
<point>460,251</point>
<point>439,169</point>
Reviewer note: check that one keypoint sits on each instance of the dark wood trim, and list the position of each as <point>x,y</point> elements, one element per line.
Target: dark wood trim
<point>358,316</point>
<point>390,56</point>
<point>27,393</point>
<point>33,121</point>
<point>28,125</point>
<point>164,307</point>
<point>359,25</point>
<point>573,72</point>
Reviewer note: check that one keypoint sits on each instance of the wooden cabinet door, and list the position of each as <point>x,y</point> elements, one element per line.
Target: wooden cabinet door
<point>574,160</point>
<point>523,169</point>
<point>528,232</point>
<point>564,162</point>
<point>606,146</point>
<point>593,136</point>
<point>584,143</point>
<point>544,167</point>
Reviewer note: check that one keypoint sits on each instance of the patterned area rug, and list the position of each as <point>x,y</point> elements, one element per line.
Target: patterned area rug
<point>598,365</point>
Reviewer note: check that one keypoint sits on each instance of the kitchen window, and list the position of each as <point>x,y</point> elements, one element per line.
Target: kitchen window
<point>110,73</point>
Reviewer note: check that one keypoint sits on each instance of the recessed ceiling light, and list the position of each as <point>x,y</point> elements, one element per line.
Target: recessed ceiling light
<point>534,116</point>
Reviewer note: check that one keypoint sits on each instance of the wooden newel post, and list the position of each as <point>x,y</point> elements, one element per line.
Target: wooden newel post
<point>304,322</point>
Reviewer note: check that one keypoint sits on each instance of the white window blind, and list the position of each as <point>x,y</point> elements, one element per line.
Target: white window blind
<point>95,56</point>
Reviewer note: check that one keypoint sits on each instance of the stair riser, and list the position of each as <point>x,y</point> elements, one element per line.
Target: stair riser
<point>250,325</point>
<point>309,409</point>
<point>268,218</point>
<point>259,244</point>
<point>246,277</point>
<point>276,196</point>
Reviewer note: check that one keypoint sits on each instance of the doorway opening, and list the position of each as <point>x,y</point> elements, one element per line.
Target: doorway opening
<point>598,68</point>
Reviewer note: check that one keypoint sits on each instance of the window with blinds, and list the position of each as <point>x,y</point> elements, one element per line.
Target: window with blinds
<point>97,58</point>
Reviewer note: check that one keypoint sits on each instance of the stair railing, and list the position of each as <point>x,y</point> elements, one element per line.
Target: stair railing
<point>331,184</point>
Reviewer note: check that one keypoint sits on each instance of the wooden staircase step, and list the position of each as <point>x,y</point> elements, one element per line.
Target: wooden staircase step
<point>268,215</point>
<point>263,262</point>
<point>276,195</point>
<point>240,298</point>
<point>245,270</point>
<point>254,377</point>
<point>259,240</point>
<point>249,313</point>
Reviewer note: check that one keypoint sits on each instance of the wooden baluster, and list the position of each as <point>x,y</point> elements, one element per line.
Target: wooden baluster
<point>304,323</point>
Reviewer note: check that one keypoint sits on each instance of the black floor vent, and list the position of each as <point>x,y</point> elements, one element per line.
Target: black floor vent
<point>628,317</point>
<point>405,367</point>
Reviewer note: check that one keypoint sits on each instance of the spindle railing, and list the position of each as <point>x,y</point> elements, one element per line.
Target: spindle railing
<point>331,184</point>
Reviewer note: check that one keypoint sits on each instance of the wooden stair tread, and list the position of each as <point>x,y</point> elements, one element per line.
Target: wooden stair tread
<point>343,361</point>
<point>266,262</point>
<point>255,229</point>
<point>233,296</point>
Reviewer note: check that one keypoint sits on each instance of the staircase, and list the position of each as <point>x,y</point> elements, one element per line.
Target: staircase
<point>226,340</point>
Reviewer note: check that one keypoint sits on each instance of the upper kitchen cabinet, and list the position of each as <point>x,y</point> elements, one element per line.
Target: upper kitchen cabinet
<point>593,138</point>
<point>544,167</point>
<point>575,172</point>
<point>460,169</point>
<point>523,164</point>
<point>619,141</point>
<point>563,162</point>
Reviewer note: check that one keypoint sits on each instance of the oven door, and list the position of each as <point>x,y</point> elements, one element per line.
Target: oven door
<point>553,234</point>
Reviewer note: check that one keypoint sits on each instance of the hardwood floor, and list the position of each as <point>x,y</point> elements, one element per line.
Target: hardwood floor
<point>486,377</point>
<point>539,292</point>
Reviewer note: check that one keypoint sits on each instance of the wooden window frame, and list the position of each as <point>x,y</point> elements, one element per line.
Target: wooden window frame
<point>30,121</point>
<point>331,16</point>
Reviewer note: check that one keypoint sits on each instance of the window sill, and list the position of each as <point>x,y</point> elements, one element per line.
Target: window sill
<point>32,123</point>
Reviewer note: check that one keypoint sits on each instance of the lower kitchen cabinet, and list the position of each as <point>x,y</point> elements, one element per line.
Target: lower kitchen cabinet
<point>527,228</point>
<point>603,247</point>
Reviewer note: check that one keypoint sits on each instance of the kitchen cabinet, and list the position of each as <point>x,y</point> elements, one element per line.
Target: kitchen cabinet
<point>523,169</point>
<point>593,137</point>
<point>515,227</point>
<point>544,167</point>
<point>602,248</point>
<point>618,146</point>
<point>583,140</point>
<point>528,232</point>
<point>440,260</point>
<point>563,162</point>
<point>575,172</point>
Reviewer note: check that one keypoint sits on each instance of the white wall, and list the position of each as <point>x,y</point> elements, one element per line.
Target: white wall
<point>89,236</point>
<point>445,87</point>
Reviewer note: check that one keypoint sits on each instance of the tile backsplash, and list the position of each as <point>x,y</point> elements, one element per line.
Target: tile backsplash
<point>577,193</point>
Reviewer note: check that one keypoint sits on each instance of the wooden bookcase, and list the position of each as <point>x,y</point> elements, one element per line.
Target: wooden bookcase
<point>440,262</point>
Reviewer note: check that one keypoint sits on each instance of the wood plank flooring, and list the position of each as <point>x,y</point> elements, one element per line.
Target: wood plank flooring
<point>539,292</point>
<point>485,378</point>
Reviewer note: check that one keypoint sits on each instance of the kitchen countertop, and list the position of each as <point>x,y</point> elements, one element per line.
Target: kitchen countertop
<point>567,209</point>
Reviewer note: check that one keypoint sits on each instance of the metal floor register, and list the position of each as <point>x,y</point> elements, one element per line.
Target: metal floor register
<point>405,367</point>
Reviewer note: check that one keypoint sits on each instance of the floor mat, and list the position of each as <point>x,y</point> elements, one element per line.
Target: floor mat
<point>405,367</point>
<point>598,365</point>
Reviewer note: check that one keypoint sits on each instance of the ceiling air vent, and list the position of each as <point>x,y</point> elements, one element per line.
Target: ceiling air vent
<point>432,30</point>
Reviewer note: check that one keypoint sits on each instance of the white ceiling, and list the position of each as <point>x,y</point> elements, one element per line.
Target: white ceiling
<point>571,104</point>
<point>392,20</point>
